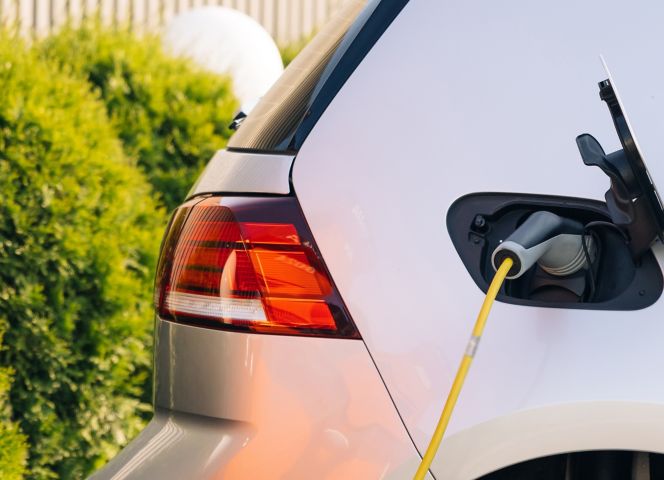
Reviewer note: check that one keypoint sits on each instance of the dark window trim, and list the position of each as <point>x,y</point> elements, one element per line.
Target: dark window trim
<point>358,41</point>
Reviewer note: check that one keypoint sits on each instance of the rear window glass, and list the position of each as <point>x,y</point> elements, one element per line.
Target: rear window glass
<point>279,112</point>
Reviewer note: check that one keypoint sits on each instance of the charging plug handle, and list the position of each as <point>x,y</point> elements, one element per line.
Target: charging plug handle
<point>539,234</point>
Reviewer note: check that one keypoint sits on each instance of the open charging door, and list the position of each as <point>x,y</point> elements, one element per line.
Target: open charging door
<point>620,271</point>
<point>632,200</point>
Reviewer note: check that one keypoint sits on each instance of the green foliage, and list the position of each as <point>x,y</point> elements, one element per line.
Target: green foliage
<point>170,115</point>
<point>13,447</point>
<point>79,236</point>
<point>290,50</point>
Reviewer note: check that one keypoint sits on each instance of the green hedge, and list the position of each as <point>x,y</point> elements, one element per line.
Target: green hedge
<point>13,446</point>
<point>291,50</point>
<point>170,115</point>
<point>79,236</point>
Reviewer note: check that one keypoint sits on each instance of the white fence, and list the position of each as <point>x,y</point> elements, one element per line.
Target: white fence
<point>286,20</point>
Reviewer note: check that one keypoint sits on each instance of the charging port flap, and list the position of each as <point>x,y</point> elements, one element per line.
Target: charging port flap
<point>632,200</point>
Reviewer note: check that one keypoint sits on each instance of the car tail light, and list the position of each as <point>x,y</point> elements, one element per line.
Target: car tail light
<point>247,264</point>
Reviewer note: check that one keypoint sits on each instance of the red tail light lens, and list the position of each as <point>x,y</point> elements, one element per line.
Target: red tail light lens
<point>247,264</point>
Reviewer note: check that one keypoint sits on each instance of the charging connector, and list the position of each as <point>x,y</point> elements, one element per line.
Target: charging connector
<point>554,242</point>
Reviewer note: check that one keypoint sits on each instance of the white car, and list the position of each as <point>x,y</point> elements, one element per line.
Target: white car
<point>316,290</point>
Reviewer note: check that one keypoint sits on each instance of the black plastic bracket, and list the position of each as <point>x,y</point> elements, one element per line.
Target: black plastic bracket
<point>632,200</point>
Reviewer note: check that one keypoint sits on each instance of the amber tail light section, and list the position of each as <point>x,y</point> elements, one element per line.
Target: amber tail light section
<point>247,264</point>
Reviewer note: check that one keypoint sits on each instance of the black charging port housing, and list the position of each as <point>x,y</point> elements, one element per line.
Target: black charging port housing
<point>477,223</point>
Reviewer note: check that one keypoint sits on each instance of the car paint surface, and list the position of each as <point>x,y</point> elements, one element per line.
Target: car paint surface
<point>266,406</point>
<point>234,172</point>
<point>178,445</point>
<point>462,97</point>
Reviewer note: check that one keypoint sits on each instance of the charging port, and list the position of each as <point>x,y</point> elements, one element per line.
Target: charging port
<point>611,279</point>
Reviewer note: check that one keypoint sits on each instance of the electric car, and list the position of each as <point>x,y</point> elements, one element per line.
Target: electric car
<point>317,288</point>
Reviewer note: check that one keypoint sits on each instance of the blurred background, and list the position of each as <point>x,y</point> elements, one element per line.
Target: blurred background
<point>285,20</point>
<point>109,110</point>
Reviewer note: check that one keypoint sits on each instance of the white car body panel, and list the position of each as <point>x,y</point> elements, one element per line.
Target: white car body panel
<point>276,407</point>
<point>551,430</point>
<point>203,445</point>
<point>235,172</point>
<point>456,98</point>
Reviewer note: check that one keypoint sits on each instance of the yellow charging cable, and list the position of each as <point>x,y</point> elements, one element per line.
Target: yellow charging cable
<point>463,369</point>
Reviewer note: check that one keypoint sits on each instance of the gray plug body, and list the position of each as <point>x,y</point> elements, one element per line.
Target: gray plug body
<point>552,241</point>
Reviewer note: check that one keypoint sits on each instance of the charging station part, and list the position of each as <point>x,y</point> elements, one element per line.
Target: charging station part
<point>543,235</point>
<point>567,256</point>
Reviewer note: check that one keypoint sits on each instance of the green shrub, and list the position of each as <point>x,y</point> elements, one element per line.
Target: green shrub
<point>291,50</point>
<point>79,235</point>
<point>13,447</point>
<point>171,116</point>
